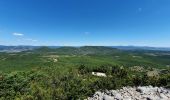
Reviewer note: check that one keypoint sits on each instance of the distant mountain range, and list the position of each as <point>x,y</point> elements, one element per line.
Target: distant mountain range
<point>142,48</point>
<point>25,48</point>
<point>84,50</point>
<point>16,48</point>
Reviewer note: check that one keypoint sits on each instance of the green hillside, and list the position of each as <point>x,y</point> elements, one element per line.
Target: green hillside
<point>66,72</point>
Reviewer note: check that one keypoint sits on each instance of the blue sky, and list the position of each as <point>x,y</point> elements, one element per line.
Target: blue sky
<point>85,22</point>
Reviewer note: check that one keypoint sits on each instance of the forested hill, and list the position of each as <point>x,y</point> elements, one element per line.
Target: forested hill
<point>50,73</point>
<point>72,48</point>
<point>85,50</point>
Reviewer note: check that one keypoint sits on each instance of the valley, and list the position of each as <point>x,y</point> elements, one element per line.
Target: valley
<point>77,73</point>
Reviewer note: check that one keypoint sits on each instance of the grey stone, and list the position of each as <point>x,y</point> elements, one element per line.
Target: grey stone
<point>133,93</point>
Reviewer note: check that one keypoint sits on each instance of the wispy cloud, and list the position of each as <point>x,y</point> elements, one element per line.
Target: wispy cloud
<point>18,34</point>
<point>22,38</point>
<point>33,40</point>
<point>139,9</point>
<point>86,33</point>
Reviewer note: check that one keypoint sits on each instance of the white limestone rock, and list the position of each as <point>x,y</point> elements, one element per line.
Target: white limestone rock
<point>133,93</point>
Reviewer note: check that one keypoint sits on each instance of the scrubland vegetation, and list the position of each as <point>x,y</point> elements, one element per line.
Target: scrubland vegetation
<point>66,73</point>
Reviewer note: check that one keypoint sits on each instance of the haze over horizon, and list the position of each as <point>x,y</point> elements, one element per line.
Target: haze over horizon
<point>85,22</point>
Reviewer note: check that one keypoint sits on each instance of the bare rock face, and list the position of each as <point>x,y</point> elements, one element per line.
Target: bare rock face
<point>133,93</point>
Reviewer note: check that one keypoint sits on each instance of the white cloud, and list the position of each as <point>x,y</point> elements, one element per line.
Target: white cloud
<point>17,34</point>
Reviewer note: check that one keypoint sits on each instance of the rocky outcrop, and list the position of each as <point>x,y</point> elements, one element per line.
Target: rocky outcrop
<point>99,74</point>
<point>133,93</point>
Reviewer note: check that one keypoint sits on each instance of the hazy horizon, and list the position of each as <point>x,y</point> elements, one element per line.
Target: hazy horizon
<point>85,22</point>
<point>89,45</point>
